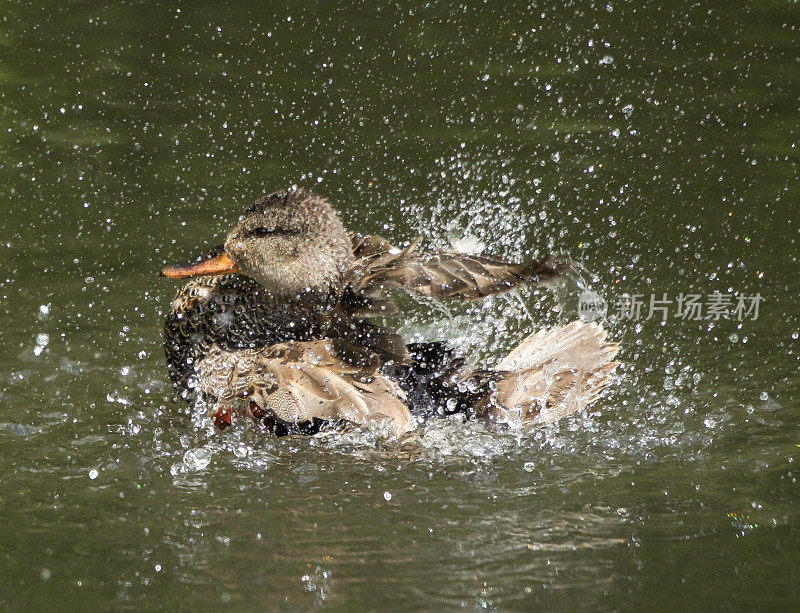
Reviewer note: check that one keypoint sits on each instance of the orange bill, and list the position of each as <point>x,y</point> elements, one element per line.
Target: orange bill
<point>215,263</point>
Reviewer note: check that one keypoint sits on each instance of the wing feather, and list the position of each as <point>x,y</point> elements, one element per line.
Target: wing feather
<point>450,274</point>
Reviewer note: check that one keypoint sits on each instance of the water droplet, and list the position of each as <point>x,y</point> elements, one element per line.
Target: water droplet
<point>197,459</point>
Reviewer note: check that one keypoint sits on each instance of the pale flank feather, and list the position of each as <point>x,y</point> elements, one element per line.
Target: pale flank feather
<point>554,373</point>
<point>449,274</point>
<point>301,381</point>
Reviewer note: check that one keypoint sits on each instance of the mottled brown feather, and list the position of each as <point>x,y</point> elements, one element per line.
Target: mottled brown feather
<point>302,381</point>
<point>379,265</point>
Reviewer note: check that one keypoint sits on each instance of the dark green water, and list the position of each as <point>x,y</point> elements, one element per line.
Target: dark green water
<point>655,142</point>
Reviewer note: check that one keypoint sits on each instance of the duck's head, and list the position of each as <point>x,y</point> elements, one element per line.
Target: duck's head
<point>290,242</point>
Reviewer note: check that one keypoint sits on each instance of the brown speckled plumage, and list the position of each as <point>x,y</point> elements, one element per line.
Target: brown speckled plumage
<point>286,341</point>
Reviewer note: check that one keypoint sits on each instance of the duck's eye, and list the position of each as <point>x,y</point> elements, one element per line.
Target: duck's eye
<point>259,232</point>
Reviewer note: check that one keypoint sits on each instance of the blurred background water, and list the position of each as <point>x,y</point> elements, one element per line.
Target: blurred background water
<point>654,142</point>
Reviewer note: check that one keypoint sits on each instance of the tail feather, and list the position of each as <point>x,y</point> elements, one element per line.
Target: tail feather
<point>554,373</point>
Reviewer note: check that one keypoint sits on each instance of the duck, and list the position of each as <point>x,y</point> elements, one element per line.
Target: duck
<point>281,326</point>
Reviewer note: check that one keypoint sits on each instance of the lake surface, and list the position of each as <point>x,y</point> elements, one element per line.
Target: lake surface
<point>656,143</point>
